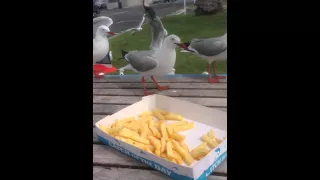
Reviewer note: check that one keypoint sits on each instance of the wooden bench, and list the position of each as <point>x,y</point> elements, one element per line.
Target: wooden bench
<point>116,92</point>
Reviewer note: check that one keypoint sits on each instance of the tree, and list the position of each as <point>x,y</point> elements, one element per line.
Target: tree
<point>208,6</point>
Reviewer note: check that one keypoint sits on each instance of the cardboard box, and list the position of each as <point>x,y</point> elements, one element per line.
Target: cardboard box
<point>204,118</point>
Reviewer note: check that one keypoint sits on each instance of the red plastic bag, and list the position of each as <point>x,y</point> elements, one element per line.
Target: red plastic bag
<point>99,70</point>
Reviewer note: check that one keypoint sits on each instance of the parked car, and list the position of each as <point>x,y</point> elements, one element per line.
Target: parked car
<point>95,8</point>
<point>156,1</point>
<point>101,4</point>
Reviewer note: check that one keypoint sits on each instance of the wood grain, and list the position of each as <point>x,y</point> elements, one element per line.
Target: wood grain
<point>169,92</point>
<point>128,100</point>
<point>101,173</point>
<point>103,154</point>
<point>108,109</point>
<point>153,86</point>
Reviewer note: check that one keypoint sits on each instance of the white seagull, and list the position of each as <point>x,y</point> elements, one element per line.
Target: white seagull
<point>159,33</point>
<point>211,49</point>
<point>100,42</point>
<point>157,62</point>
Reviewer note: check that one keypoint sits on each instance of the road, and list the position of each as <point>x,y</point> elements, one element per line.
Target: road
<point>127,18</point>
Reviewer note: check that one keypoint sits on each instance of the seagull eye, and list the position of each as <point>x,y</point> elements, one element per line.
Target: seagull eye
<point>172,39</point>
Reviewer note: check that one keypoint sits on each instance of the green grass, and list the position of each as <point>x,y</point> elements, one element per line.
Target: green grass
<point>186,27</point>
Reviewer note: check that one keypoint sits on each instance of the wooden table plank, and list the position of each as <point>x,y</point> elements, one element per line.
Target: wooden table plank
<point>101,173</point>
<point>108,109</point>
<point>97,118</point>
<point>148,79</point>
<point>169,92</point>
<point>106,155</point>
<point>128,100</point>
<point>153,86</point>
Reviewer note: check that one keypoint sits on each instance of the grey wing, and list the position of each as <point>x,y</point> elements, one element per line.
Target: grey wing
<point>142,60</point>
<point>208,47</point>
<point>158,33</point>
<point>101,20</point>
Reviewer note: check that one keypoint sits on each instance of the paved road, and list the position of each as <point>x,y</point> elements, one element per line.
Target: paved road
<point>127,18</point>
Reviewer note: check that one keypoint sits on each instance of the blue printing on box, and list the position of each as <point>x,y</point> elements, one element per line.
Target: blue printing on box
<point>164,170</point>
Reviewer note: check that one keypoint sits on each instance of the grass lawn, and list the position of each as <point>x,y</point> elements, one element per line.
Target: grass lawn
<point>186,27</point>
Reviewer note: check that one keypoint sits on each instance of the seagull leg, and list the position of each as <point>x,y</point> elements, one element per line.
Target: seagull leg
<point>214,72</point>
<point>159,87</point>
<point>210,79</point>
<point>144,87</point>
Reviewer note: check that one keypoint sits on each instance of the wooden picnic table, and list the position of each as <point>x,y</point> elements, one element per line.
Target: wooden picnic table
<point>113,94</point>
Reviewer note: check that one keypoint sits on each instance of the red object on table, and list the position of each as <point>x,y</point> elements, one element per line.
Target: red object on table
<point>100,68</point>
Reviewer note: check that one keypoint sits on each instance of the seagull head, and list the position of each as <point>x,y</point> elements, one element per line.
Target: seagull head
<point>104,31</point>
<point>174,41</point>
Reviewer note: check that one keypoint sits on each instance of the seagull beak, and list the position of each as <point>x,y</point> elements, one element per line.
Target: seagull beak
<point>182,45</point>
<point>112,33</point>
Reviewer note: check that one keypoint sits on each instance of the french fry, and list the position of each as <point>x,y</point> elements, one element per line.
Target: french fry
<point>201,146</point>
<point>211,134</point>
<point>113,125</point>
<point>211,142</point>
<point>170,154</point>
<point>127,133</point>
<point>163,112</point>
<point>111,130</point>
<point>140,139</point>
<point>218,140</point>
<point>143,132</point>
<point>184,145</point>
<point>164,131</point>
<point>154,130</point>
<point>174,161</point>
<point>177,137</point>
<point>155,142</point>
<point>121,138</point>
<point>133,125</point>
<point>139,145</point>
<point>183,127</point>
<point>169,130</point>
<point>148,150</point>
<point>177,157</point>
<point>129,141</point>
<point>163,155</point>
<point>158,115</point>
<point>171,116</point>
<point>157,152</point>
<point>199,152</point>
<point>187,158</point>
<point>145,113</point>
<point>199,158</point>
<point>128,119</point>
<point>150,147</point>
<point>145,128</point>
<point>163,145</point>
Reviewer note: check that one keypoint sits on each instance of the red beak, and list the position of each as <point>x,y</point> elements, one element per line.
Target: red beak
<point>182,46</point>
<point>112,33</point>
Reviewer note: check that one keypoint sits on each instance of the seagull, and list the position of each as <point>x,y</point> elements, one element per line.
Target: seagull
<point>138,28</point>
<point>101,44</point>
<point>211,49</point>
<point>159,33</point>
<point>157,62</point>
